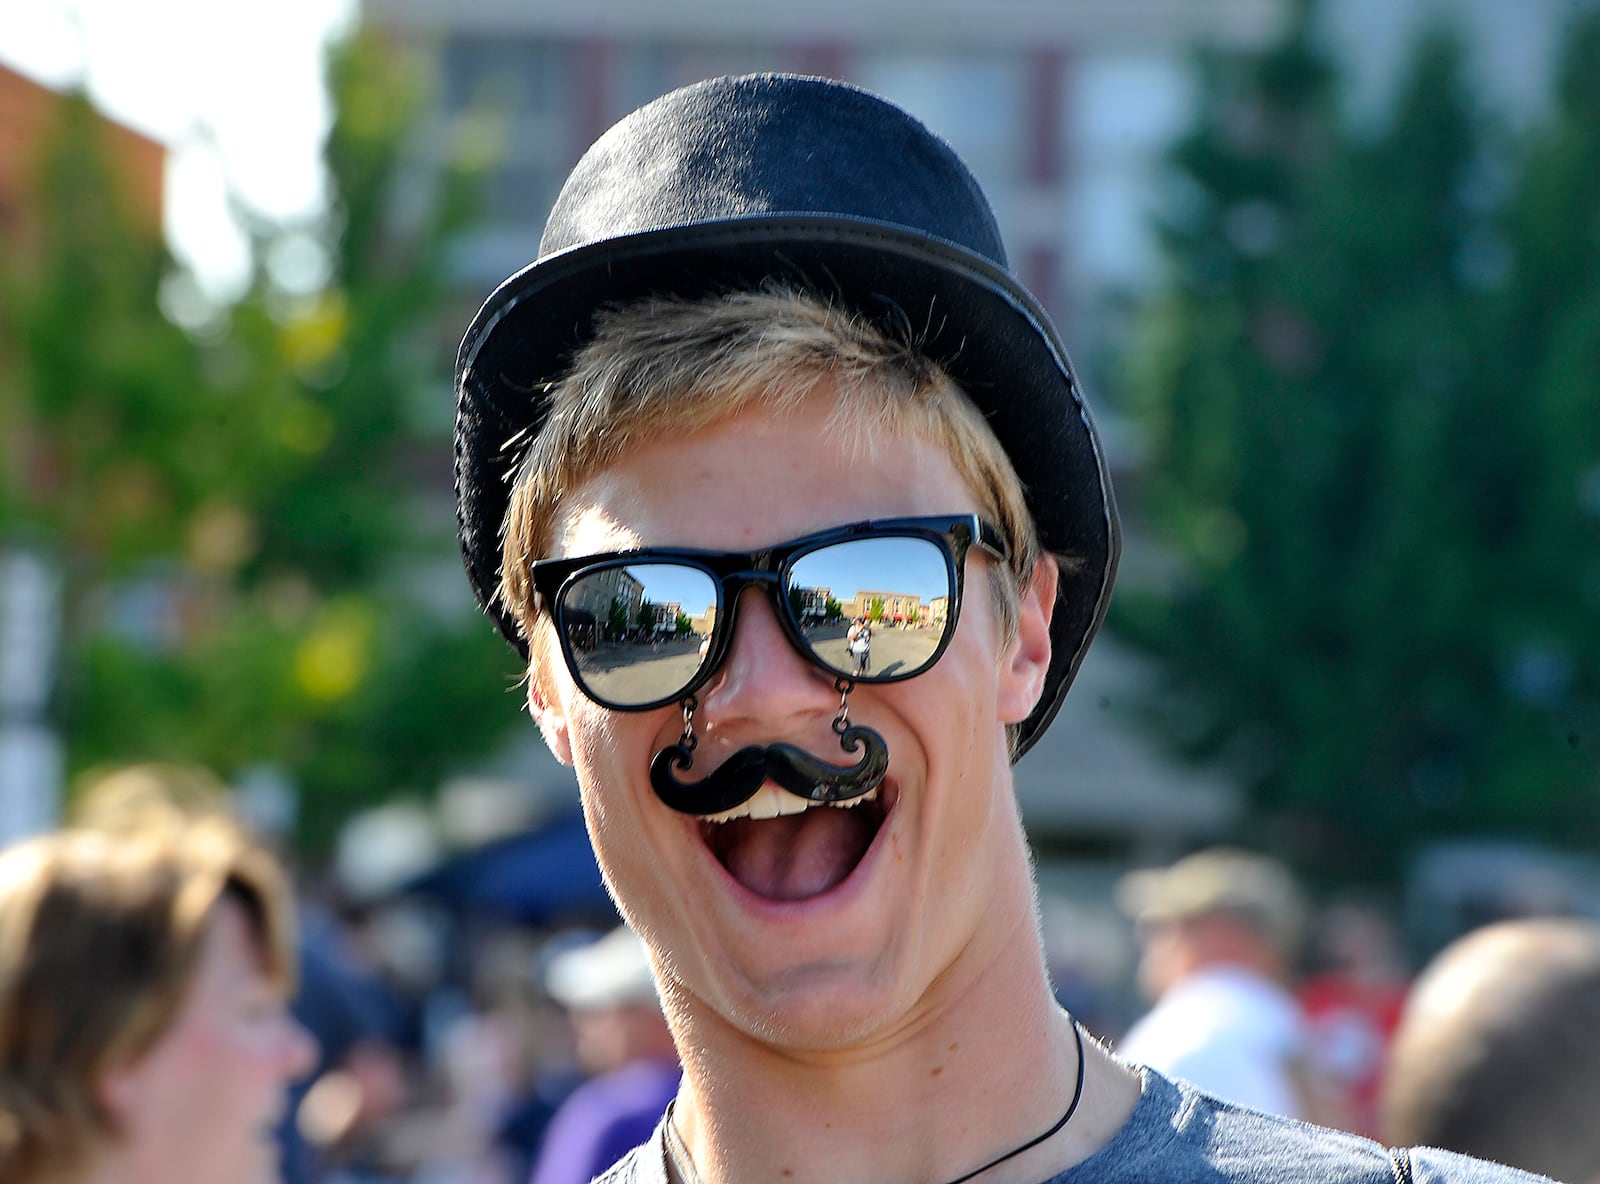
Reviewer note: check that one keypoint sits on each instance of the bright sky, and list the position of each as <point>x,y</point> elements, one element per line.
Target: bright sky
<point>232,87</point>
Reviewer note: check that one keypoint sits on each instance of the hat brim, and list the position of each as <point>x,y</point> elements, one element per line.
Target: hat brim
<point>971,316</point>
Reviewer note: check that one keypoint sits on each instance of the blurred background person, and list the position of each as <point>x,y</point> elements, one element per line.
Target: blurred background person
<point>623,1044</point>
<point>348,1013</point>
<point>1218,932</point>
<point>1498,1050</point>
<point>1352,994</point>
<point>144,1030</point>
<point>497,1063</point>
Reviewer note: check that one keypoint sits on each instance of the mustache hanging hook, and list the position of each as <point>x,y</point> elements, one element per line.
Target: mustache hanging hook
<point>794,769</point>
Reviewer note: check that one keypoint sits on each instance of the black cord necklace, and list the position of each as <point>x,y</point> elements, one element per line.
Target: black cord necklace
<point>679,1154</point>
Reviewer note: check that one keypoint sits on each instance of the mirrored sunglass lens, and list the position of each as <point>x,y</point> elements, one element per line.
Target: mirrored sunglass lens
<point>900,585</point>
<point>636,631</point>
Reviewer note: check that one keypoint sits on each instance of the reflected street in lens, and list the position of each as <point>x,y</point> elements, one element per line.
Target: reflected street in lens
<point>637,631</point>
<point>899,586</point>
<point>873,607</point>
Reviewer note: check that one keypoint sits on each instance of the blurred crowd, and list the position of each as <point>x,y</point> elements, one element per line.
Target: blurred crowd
<point>382,1042</point>
<point>1493,1049</point>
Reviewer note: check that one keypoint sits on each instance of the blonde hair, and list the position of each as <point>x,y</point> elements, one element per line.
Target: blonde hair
<point>666,367</point>
<point>100,937</point>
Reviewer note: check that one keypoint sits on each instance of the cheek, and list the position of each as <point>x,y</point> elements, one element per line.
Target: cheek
<point>612,755</point>
<point>600,758</point>
<point>612,751</point>
<point>961,700</point>
<point>233,1066</point>
<point>182,1082</point>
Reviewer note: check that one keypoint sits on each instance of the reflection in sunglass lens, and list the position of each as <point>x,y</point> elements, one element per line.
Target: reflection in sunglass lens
<point>901,586</point>
<point>635,630</point>
<point>872,609</point>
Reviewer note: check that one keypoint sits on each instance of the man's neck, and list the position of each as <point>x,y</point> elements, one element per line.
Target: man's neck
<point>987,1063</point>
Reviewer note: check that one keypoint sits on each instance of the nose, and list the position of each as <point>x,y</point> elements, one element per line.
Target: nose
<point>763,679</point>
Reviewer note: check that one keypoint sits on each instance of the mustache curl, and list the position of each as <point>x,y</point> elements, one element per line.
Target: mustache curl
<point>736,780</point>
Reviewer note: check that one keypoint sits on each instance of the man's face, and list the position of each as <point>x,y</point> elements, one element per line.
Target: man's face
<point>1163,956</point>
<point>818,928</point>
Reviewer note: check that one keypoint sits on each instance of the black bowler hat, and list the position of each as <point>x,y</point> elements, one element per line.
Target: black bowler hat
<point>732,181</point>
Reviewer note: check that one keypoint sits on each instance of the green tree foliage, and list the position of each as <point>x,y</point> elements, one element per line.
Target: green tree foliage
<point>1375,447</point>
<point>110,418</point>
<point>250,517</point>
<point>617,618</point>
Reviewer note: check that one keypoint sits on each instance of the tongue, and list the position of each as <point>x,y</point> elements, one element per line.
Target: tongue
<point>796,856</point>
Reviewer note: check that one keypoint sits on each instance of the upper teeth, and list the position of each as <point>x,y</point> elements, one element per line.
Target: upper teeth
<point>770,801</point>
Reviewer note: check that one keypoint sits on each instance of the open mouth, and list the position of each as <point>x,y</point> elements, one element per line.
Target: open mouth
<point>782,847</point>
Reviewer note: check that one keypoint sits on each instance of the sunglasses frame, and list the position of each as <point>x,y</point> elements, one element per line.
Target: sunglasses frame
<point>731,572</point>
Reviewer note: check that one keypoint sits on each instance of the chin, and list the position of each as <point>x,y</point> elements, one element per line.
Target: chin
<point>819,1006</point>
<point>814,1025</point>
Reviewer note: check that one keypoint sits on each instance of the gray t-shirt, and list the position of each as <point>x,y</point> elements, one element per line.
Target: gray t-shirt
<point>1179,1135</point>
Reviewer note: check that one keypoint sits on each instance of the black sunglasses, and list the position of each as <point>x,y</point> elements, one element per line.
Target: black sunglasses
<point>874,602</point>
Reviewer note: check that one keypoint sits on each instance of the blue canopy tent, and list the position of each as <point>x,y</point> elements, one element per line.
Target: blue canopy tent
<point>545,876</point>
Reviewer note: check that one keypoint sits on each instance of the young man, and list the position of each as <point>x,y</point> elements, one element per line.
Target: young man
<point>771,356</point>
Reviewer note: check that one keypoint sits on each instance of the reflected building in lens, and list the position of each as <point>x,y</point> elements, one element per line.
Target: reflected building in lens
<point>598,594</point>
<point>667,614</point>
<point>812,603</point>
<point>889,607</point>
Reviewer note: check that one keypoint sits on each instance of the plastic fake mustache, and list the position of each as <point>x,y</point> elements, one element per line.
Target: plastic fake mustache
<point>794,769</point>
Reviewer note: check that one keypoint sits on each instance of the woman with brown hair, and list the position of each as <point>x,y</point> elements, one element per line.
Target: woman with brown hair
<point>143,1030</point>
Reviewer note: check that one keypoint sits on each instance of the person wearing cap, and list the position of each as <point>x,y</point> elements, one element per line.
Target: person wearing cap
<point>622,1043</point>
<point>1218,932</point>
<point>771,355</point>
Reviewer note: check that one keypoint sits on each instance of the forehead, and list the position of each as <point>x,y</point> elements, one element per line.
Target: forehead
<point>756,478</point>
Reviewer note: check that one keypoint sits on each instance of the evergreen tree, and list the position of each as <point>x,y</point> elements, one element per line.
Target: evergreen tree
<point>1354,427</point>
<point>1537,429</point>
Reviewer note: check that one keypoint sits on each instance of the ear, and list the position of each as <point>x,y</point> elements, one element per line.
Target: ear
<point>1028,658</point>
<point>551,719</point>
